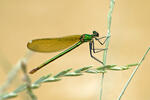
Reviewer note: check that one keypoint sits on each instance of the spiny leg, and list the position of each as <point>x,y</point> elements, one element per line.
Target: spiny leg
<point>96,50</point>
<point>102,43</point>
<point>91,47</point>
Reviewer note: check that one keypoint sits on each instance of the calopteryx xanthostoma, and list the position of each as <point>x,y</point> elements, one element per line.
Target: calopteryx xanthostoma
<point>57,44</point>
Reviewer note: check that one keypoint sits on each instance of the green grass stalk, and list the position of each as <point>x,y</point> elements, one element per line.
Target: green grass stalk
<point>109,17</point>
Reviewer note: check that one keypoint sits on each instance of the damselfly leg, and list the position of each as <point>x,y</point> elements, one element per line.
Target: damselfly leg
<point>94,50</point>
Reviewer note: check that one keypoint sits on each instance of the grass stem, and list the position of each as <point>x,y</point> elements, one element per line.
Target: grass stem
<point>133,73</point>
<point>109,17</point>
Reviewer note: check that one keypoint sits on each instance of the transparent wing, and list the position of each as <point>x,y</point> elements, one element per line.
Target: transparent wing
<point>52,44</point>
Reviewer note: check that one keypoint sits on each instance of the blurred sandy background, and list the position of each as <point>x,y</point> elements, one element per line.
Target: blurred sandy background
<point>24,20</point>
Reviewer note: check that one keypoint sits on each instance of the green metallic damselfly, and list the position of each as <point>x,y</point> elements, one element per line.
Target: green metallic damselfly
<point>57,44</point>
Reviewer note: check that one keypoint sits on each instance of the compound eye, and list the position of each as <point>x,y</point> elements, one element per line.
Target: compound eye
<point>95,33</point>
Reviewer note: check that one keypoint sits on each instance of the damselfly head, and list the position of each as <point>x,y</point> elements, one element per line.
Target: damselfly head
<point>95,34</point>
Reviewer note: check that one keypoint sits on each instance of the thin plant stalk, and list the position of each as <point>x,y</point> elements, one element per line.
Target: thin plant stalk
<point>28,81</point>
<point>133,73</point>
<point>109,17</point>
<point>12,74</point>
